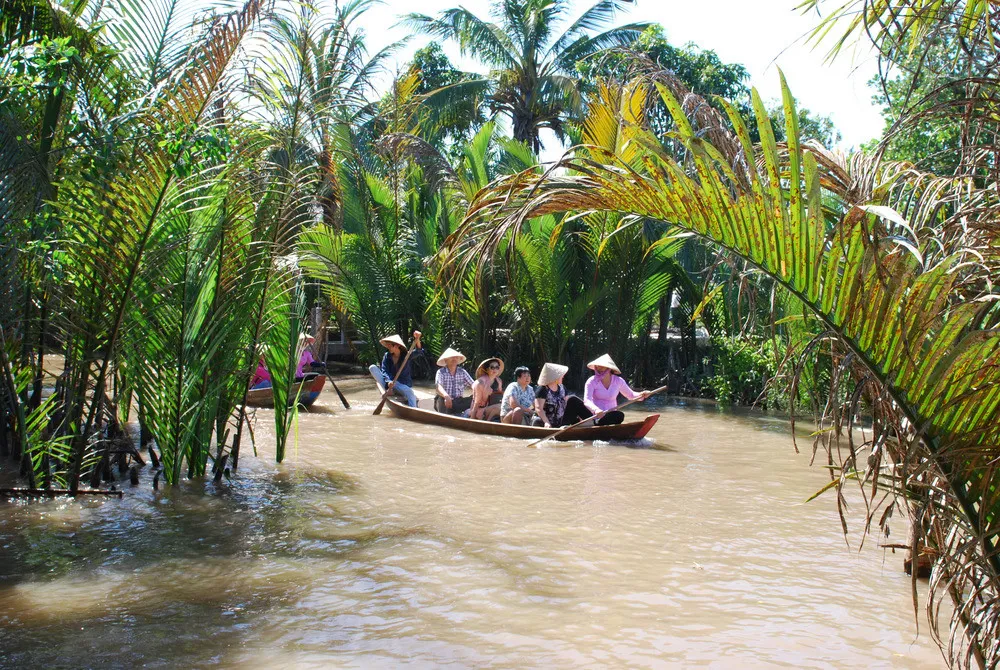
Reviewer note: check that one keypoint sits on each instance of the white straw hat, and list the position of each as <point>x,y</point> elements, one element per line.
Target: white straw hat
<point>552,372</point>
<point>450,353</point>
<point>604,362</point>
<point>482,369</point>
<point>392,339</point>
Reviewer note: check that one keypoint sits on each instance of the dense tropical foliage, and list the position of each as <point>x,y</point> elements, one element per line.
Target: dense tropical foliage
<point>180,185</point>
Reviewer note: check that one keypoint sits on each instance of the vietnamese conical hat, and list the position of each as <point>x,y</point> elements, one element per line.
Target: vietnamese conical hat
<point>450,353</point>
<point>481,370</point>
<point>392,339</point>
<point>552,372</point>
<point>604,362</point>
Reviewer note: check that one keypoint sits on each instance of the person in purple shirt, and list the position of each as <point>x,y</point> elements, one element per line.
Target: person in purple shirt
<point>600,394</point>
<point>307,362</point>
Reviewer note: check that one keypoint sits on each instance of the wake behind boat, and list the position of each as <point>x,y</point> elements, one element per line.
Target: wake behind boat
<point>633,430</point>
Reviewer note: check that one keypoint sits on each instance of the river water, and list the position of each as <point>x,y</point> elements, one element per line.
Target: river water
<point>381,543</point>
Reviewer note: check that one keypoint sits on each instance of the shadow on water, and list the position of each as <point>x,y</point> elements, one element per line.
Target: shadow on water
<point>87,583</point>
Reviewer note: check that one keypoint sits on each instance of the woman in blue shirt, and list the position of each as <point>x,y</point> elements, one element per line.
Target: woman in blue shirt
<point>390,364</point>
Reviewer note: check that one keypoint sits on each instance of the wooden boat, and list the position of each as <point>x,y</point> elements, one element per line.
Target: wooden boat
<point>307,390</point>
<point>632,430</point>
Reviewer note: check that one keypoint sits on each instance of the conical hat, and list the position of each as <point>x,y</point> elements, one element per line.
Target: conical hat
<point>604,362</point>
<point>450,353</point>
<point>481,370</point>
<point>392,339</point>
<point>552,372</point>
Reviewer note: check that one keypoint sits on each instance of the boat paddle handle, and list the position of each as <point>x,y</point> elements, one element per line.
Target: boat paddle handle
<point>579,423</point>
<point>399,370</point>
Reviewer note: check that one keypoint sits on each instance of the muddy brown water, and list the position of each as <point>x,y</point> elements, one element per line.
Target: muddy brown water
<point>380,543</point>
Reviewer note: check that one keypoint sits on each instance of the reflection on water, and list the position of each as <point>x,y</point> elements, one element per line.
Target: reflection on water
<point>380,542</point>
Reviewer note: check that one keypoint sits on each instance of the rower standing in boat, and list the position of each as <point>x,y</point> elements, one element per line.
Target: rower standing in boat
<point>487,390</point>
<point>552,404</point>
<point>390,364</point>
<point>450,382</point>
<point>600,394</point>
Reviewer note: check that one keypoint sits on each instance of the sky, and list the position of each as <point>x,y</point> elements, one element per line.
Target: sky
<point>763,35</point>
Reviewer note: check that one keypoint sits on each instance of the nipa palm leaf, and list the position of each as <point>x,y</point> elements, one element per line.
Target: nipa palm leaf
<point>925,332</point>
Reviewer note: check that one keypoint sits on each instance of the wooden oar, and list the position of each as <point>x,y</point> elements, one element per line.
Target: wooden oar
<point>378,410</point>
<point>347,405</point>
<point>591,418</point>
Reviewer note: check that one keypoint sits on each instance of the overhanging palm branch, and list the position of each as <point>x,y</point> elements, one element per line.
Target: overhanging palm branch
<point>918,315</point>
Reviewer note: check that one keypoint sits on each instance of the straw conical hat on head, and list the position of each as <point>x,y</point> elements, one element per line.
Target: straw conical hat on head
<point>392,339</point>
<point>450,353</point>
<point>552,372</point>
<point>604,362</point>
<point>481,370</point>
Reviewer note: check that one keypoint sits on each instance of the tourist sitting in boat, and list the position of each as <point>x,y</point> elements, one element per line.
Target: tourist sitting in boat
<point>451,381</point>
<point>554,407</point>
<point>261,377</point>
<point>487,390</point>
<point>307,362</point>
<point>600,394</point>
<point>518,403</point>
<point>391,361</point>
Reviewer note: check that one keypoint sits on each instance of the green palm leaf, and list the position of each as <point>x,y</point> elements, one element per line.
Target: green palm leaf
<point>925,332</point>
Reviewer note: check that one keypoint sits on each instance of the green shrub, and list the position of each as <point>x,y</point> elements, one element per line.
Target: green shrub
<point>741,369</point>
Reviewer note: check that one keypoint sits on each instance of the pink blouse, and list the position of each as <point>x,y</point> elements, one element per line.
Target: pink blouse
<point>600,399</point>
<point>306,359</point>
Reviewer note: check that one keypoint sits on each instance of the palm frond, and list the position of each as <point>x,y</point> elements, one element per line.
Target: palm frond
<point>586,46</point>
<point>924,332</point>
<point>594,18</point>
<point>474,35</point>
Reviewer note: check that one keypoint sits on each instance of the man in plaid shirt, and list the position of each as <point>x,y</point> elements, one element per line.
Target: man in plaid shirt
<point>451,381</point>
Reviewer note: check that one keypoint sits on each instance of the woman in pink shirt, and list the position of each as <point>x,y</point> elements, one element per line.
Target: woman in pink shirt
<point>601,392</point>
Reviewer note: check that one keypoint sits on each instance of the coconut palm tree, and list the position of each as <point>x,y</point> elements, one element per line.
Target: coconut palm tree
<point>532,64</point>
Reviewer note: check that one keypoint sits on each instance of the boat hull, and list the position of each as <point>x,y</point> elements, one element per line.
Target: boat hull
<point>308,391</point>
<point>633,430</point>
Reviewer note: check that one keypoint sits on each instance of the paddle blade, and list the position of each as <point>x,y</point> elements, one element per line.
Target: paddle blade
<point>378,410</point>
<point>347,405</point>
